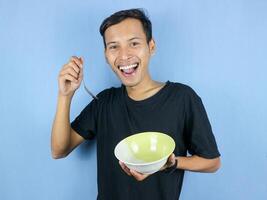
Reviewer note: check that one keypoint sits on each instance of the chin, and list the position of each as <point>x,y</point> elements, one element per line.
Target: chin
<point>129,83</point>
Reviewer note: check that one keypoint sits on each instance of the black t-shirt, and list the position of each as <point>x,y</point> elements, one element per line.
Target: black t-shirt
<point>175,110</point>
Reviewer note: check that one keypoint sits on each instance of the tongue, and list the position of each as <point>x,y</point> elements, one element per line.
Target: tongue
<point>128,71</point>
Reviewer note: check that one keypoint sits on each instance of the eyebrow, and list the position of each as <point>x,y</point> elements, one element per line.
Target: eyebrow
<point>134,38</point>
<point>111,43</point>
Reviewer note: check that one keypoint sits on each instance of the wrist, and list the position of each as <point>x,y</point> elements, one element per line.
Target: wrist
<point>65,97</point>
<point>64,100</point>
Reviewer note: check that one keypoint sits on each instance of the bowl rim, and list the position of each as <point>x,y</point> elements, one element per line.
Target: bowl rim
<point>148,163</point>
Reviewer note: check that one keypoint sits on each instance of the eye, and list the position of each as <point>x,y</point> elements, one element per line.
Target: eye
<point>134,44</point>
<point>112,47</point>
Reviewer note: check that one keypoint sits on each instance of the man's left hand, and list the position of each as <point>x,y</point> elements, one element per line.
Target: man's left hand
<point>139,176</point>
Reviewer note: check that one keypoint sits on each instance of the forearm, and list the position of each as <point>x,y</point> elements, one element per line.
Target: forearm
<point>198,164</point>
<point>60,137</point>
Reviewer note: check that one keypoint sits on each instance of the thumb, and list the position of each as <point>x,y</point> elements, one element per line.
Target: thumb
<point>171,160</point>
<point>82,60</point>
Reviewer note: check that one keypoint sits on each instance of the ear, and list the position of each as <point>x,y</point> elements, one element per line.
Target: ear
<point>152,46</point>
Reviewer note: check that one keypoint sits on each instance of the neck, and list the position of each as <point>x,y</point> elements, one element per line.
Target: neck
<point>144,89</point>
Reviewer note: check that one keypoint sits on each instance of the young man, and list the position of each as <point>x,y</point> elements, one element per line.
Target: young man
<point>140,104</point>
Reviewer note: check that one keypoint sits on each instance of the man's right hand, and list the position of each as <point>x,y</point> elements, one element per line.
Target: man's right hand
<point>70,76</point>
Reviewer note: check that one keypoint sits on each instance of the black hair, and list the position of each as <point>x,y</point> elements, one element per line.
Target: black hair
<point>136,13</point>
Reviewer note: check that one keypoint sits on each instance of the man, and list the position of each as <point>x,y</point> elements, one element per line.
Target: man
<point>140,104</point>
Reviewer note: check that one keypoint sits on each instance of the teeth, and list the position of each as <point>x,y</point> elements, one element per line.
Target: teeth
<point>127,67</point>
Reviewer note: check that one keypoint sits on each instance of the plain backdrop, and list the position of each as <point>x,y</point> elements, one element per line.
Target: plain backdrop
<point>217,47</point>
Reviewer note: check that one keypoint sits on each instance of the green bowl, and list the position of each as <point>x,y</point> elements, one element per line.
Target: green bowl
<point>145,152</point>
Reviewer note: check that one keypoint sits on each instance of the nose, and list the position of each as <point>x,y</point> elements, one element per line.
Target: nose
<point>124,53</point>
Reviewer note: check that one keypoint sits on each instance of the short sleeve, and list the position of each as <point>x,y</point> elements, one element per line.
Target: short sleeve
<point>85,123</point>
<point>198,132</point>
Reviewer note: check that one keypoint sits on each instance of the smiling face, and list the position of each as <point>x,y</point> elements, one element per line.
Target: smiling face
<point>128,52</point>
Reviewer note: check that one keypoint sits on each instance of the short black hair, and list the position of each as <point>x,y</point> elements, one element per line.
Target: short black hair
<point>136,13</point>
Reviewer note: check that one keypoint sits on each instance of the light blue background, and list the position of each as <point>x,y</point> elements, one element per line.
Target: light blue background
<point>216,47</point>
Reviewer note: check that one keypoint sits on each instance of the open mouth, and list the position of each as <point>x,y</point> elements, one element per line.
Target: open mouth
<point>128,70</point>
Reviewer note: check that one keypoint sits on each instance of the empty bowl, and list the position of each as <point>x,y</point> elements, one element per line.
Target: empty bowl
<point>145,152</point>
